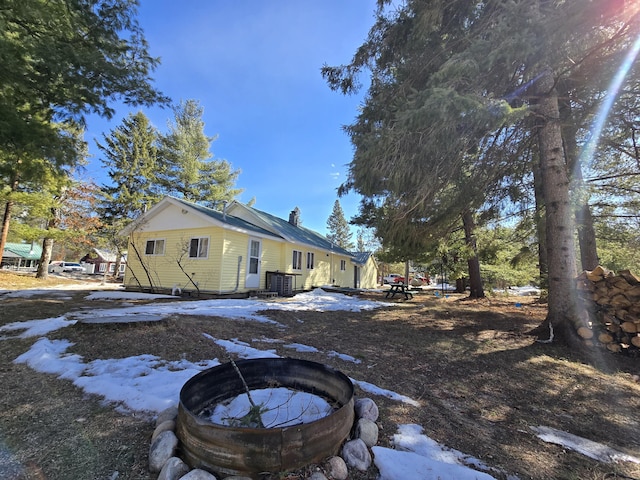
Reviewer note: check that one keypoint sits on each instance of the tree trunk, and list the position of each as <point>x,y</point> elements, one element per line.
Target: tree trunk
<point>586,238</point>
<point>562,309</point>
<point>45,258</point>
<point>475,280</point>
<point>116,268</point>
<point>5,226</point>
<point>47,246</point>
<point>541,230</point>
<point>6,219</point>
<point>584,220</point>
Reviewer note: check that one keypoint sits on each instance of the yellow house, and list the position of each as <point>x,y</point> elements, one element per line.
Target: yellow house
<point>180,247</point>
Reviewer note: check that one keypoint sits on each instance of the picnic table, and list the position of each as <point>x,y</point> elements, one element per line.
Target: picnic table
<point>399,289</point>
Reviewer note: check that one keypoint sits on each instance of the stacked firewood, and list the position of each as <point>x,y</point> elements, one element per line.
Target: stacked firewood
<point>612,314</point>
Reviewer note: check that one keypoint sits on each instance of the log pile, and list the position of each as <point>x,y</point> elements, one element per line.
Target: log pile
<point>612,314</point>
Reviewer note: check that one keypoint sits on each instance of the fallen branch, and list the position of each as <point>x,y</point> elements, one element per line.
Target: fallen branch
<point>255,412</point>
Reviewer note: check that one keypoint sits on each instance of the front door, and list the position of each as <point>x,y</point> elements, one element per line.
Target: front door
<point>253,265</point>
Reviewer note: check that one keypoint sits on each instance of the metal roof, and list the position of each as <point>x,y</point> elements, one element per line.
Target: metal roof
<point>277,227</point>
<point>360,258</point>
<point>298,234</point>
<point>28,251</point>
<point>226,218</point>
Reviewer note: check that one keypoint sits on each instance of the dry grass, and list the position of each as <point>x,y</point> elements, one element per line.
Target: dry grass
<point>481,379</point>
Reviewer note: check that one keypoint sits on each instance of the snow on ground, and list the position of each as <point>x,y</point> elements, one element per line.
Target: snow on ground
<point>586,447</point>
<point>147,383</point>
<point>280,407</point>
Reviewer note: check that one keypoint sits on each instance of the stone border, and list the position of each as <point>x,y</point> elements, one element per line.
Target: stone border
<point>354,453</point>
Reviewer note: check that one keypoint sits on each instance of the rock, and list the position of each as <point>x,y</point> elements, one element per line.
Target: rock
<point>317,476</point>
<point>170,413</point>
<point>236,477</point>
<point>356,455</point>
<point>162,449</point>
<point>366,408</point>
<point>367,431</point>
<point>163,427</point>
<point>173,469</point>
<point>337,469</point>
<point>198,474</point>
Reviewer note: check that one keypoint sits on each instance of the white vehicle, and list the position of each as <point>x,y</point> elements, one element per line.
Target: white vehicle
<point>393,278</point>
<point>59,267</point>
<point>444,287</point>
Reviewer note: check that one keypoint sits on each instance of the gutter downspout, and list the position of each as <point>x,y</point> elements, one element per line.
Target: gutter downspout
<point>224,237</point>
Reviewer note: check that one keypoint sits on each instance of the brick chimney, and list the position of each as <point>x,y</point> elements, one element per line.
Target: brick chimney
<point>294,217</point>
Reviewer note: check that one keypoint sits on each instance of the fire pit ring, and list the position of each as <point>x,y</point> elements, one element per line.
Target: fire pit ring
<point>248,451</point>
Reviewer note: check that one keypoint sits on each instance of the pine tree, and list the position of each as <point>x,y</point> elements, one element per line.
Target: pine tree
<point>131,158</point>
<point>188,170</point>
<point>461,93</point>
<point>61,61</point>
<point>339,232</point>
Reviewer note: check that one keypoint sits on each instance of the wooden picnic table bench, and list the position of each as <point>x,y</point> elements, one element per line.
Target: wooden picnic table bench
<point>399,289</point>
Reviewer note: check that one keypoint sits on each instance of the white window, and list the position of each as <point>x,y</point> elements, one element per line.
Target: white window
<point>154,247</point>
<point>343,265</point>
<point>297,260</point>
<point>112,267</point>
<point>310,257</point>
<point>199,247</point>
<point>102,268</point>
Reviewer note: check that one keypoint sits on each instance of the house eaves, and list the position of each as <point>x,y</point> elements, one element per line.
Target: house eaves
<point>242,218</point>
<point>360,258</point>
<point>229,221</point>
<point>208,215</point>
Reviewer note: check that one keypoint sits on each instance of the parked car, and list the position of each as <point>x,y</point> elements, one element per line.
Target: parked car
<point>393,278</point>
<point>59,267</point>
<point>419,280</point>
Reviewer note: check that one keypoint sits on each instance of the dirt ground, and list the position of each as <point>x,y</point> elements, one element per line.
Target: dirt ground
<point>481,379</point>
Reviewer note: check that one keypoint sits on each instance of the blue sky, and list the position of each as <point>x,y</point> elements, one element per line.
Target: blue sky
<point>254,66</point>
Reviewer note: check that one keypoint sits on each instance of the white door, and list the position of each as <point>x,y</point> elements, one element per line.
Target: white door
<point>253,265</point>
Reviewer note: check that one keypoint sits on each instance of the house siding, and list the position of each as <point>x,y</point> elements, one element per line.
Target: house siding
<point>230,278</point>
<point>343,278</point>
<point>326,268</point>
<point>164,269</point>
<point>217,273</point>
<point>369,274</point>
<point>271,260</point>
<point>224,270</point>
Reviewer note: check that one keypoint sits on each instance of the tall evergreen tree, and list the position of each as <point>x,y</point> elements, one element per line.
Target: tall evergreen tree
<point>131,158</point>
<point>61,60</point>
<point>187,170</point>
<point>339,232</point>
<point>130,154</point>
<point>453,85</point>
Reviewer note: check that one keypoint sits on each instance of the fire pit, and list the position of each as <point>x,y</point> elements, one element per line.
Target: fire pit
<point>249,451</point>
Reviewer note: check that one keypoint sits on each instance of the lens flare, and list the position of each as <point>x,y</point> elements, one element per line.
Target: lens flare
<point>603,112</point>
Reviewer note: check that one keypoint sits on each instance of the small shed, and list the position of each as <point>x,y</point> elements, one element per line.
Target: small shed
<point>365,269</point>
<point>21,256</point>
